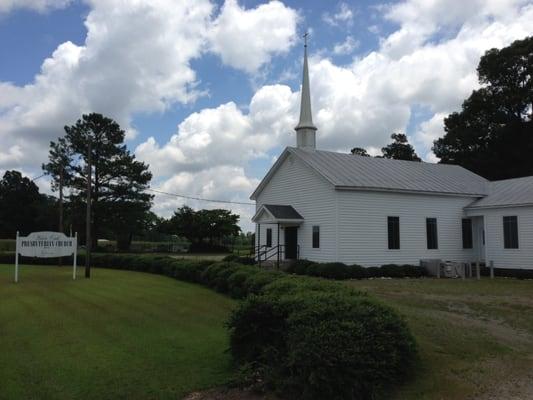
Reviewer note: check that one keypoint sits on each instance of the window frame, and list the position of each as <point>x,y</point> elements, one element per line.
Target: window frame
<point>269,237</point>
<point>315,240</point>
<point>432,237</point>
<point>393,232</point>
<point>468,240</point>
<point>510,238</point>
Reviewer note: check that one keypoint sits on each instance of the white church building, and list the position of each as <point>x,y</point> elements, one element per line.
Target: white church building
<point>335,207</point>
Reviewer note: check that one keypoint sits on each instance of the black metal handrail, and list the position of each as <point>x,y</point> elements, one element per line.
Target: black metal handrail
<point>269,252</point>
<point>272,252</point>
<point>263,255</point>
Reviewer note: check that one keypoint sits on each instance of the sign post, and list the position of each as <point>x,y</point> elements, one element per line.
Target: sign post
<point>17,259</point>
<point>75,256</point>
<point>46,245</point>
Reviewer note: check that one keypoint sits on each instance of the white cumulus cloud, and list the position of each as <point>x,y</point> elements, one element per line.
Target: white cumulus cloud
<point>343,15</point>
<point>136,58</point>
<point>346,47</point>
<point>359,104</point>
<point>246,39</point>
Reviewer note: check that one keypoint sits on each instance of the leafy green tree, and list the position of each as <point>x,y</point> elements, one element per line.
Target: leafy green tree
<point>119,182</point>
<point>22,207</point>
<point>203,226</point>
<point>400,149</point>
<point>359,151</point>
<point>493,133</point>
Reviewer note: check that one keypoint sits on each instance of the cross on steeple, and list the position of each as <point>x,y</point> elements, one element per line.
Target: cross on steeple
<point>305,130</point>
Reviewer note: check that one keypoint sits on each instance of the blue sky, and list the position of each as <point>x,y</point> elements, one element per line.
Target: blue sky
<point>208,92</point>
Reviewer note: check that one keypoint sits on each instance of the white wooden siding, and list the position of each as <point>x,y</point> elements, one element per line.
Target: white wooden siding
<point>363,235</point>
<point>313,197</point>
<point>508,258</point>
<point>353,224</point>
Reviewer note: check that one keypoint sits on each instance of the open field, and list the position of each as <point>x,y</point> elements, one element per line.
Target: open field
<point>475,337</point>
<point>120,334</point>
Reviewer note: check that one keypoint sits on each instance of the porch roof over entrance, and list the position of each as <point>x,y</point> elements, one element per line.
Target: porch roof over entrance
<point>275,213</point>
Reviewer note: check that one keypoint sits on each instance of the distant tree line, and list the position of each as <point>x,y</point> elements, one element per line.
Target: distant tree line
<point>23,208</point>
<point>207,230</point>
<point>399,149</point>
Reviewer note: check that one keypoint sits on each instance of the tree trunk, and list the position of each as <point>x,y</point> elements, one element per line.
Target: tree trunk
<point>95,207</point>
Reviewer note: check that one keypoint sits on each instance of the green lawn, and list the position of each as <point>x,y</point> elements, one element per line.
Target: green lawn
<point>129,335</point>
<point>475,337</point>
<point>119,335</point>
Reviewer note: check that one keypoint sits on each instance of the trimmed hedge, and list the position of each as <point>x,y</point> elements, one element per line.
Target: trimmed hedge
<point>320,344</point>
<point>298,336</point>
<point>240,259</point>
<point>508,272</point>
<point>341,271</point>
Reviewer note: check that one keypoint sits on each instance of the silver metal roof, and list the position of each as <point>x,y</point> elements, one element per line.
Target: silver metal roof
<point>283,212</point>
<point>278,214</point>
<point>347,171</point>
<point>509,192</point>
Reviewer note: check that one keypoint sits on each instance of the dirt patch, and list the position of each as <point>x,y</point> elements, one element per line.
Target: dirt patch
<point>511,386</point>
<point>230,394</point>
<point>513,338</point>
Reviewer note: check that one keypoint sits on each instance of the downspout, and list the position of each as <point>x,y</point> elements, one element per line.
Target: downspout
<point>336,225</point>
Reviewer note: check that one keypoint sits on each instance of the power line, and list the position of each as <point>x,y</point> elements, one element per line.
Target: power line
<point>201,198</point>
<point>183,196</point>
<point>39,177</point>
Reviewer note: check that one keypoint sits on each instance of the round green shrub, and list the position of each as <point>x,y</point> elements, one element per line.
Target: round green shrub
<point>321,344</point>
<point>190,270</point>
<point>299,267</point>
<point>356,272</point>
<point>236,281</point>
<point>222,277</point>
<point>210,275</point>
<point>255,282</point>
<point>335,270</point>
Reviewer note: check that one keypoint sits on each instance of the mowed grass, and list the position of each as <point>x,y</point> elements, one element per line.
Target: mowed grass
<point>118,335</point>
<point>475,337</point>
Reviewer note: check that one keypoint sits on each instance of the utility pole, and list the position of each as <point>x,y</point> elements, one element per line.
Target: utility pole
<point>88,241</point>
<point>61,207</point>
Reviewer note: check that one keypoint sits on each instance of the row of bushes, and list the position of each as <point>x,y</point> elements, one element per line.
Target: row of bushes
<point>340,271</point>
<point>508,272</point>
<point>7,244</point>
<point>302,337</point>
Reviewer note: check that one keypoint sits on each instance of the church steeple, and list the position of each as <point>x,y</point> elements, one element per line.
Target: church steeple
<point>305,130</point>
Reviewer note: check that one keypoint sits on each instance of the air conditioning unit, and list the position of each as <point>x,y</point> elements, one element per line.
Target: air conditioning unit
<point>431,265</point>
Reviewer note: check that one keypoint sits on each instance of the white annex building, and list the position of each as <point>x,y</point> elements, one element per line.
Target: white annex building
<point>328,207</point>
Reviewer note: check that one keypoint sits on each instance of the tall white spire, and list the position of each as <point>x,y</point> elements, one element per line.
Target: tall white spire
<point>305,130</point>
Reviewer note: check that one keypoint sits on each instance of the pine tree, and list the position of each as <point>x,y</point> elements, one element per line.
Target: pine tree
<point>119,198</point>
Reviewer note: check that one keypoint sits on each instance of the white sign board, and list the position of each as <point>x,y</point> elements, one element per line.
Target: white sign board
<point>46,245</point>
